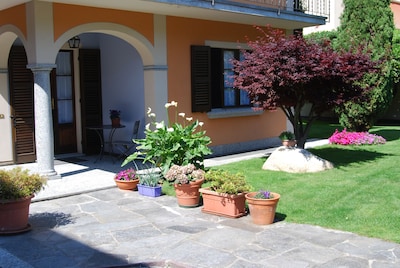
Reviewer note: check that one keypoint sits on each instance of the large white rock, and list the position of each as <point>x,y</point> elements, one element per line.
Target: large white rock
<point>295,160</point>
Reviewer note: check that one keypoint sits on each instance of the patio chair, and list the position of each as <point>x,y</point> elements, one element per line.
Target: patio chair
<point>125,147</point>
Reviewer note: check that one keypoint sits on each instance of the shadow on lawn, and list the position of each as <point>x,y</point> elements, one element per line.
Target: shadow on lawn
<point>344,156</point>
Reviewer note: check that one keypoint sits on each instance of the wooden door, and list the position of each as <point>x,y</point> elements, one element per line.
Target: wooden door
<point>63,104</point>
<point>22,106</point>
<point>91,100</point>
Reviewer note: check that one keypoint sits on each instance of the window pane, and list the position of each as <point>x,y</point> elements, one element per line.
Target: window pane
<point>65,111</point>
<point>63,63</point>
<point>229,97</point>
<point>228,56</point>
<point>244,98</point>
<point>64,87</point>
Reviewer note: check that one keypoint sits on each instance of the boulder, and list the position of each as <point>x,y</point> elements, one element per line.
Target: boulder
<point>295,160</point>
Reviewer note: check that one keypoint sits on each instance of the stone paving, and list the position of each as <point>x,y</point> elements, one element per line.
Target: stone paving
<point>116,228</point>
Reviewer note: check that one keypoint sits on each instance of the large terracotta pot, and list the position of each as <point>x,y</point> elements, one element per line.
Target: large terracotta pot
<point>188,194</point>
<point>14,215</point>
<point>262,211</point>
<point>127,185</point>
<point>229,205</point>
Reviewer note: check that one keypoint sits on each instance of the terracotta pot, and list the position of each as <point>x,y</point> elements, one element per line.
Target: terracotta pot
<point>127,185</point>
<point>289,143</point>
<point>188,194</point>
<point>115,122</point>
<point>14,215</point>
<point>220,204</point>
<point>262,211</point>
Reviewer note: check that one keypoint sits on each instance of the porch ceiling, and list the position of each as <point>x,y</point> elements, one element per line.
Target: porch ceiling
<point>200,9</point>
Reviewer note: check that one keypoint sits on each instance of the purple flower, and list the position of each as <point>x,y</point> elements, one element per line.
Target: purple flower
<point>126,175</point>
<point>264,195</point>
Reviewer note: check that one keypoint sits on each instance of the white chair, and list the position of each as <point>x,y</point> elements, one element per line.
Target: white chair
<point>125,147</point>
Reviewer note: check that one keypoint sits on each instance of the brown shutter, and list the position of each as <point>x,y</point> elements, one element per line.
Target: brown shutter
<point>91,102</point>
<point>201,78</point>
<point>21,93</point>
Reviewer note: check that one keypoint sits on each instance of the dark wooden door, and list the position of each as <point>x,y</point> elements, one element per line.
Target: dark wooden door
<point>91,100</point>
<point>63,104</point>
<point>22,106</point>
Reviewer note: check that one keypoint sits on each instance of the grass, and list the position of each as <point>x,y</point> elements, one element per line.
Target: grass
<point>361,194</point>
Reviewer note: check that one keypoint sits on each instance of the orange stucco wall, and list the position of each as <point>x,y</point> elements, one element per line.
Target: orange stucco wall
<point>15,16</point>
<point>183,32</point>
<point>396,14</point>
<point>63,20</point>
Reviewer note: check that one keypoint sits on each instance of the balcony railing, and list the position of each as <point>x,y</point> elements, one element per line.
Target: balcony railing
<point>312,7</point>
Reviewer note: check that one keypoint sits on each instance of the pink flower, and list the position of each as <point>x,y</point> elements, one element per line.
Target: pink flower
<point>355,138</point>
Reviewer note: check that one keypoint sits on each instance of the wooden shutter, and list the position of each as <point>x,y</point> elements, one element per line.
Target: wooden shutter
<point>21,93</point>
<point>201,78</point>
<point>91,101</point>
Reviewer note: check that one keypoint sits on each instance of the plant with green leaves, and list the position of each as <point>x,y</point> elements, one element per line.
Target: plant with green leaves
<point>19,183</point>
<point>287,136</point>
<point>178,143</point>
<point>223,181</point>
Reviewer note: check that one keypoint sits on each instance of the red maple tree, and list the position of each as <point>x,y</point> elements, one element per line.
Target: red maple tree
<point>288,72</point>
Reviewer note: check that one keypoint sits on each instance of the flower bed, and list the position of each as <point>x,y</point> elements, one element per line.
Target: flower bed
<point>355,138</point>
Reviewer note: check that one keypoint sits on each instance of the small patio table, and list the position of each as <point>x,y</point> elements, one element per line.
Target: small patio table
<point>98,130</point>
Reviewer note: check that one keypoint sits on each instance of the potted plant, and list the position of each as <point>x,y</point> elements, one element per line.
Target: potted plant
<point>262,206</point>
<point>187,181</point>
<point>115,116</point>
<point>181,142</point>
<point>288,138</point>
<point>149,183</point>
<point>17,188</point>
<point>126,179</point>
<point>226,194</point>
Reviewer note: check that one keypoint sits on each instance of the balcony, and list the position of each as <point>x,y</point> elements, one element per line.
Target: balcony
<point>312,7</point>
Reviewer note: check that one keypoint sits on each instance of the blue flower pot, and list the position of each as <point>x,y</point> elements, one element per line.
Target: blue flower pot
<point>149,190</point>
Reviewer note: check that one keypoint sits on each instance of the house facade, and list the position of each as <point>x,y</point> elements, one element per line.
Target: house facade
<point>131,55</point>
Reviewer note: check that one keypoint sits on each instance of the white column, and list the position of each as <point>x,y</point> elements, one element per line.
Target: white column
<point>43,120</point>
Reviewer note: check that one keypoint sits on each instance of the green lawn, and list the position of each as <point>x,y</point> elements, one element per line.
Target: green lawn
<point>361,194</point>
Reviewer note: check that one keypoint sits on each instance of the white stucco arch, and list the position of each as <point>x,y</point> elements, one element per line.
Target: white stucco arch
<point>8,34</point>
<point>138,41</point>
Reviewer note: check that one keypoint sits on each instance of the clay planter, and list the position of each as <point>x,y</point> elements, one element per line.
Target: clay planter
<point>14,215</point>
<point>289,143</point>
<point>188,194</point>
<point>115,122</point>
<point>229,205</point>
<point>149,190</point>
<point>262,211</point>
<point>127,185</point>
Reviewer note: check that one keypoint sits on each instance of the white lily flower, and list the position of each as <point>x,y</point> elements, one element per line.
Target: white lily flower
<point>148,110</point>
<point>148,126</point>
<point>151,115</point>
<point>174,103</point>
<point>201,124</point>
<point>189,118</point>
<point>182,114</point>
<point>170,129</point>
<point>167,105</point>
<point>160,125</point>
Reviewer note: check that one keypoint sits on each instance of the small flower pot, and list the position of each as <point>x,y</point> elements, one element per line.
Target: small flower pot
<point>127,185</point>
<point>289,143</point>
<point>149,190</point>
<point>262,211</point>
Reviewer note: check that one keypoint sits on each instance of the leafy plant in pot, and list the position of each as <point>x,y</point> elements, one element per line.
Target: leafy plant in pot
<point>288,138</point>
<point>226,194</point>
<point>115,116</point>
<point>17,188</point>
<point>149,182</point>
<point>187,181</point>
<point>262,206</point>
<point>126,179</point>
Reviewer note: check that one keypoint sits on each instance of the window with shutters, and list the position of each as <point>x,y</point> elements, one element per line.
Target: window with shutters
<point>212,79</point>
